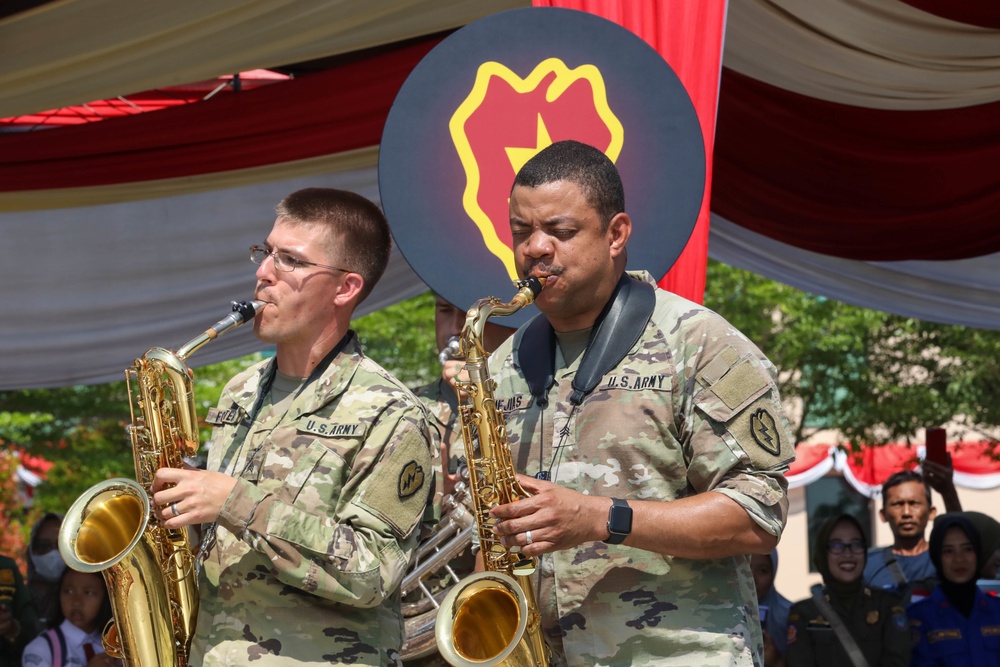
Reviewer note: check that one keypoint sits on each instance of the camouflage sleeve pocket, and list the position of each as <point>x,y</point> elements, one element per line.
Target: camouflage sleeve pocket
<point>398,490</point>
<point>737,393</point>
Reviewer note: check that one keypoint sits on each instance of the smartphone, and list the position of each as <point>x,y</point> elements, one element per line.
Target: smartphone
<point>936,446</point>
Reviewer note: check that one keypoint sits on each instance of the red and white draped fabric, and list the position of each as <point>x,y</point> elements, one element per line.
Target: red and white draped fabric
<point>855,153</point>
<point>867,468</point>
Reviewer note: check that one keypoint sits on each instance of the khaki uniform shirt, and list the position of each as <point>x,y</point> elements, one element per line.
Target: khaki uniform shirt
<point>311,544</point>
<point>692,408</point>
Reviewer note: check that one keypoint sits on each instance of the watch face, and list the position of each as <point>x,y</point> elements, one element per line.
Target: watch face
<point>620,518</point>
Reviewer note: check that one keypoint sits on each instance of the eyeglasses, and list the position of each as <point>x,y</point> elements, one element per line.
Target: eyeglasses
<point>283,261</point>
<point>837,548</point>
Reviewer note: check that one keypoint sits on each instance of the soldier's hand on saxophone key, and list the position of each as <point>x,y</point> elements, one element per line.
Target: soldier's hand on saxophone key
<point>557,518</point>
<point>184,497</point>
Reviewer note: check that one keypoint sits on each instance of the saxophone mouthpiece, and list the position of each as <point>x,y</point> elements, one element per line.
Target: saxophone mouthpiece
<point>247,310</point>
<point>533,283</point>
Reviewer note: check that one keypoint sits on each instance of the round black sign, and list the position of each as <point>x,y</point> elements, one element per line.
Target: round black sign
<point>493,94</point>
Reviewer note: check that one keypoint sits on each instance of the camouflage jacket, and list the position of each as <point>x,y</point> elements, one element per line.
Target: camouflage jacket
<point>311,544</point>
<point>444,415</point>
<point>692,408</point>
<point>443,419</point>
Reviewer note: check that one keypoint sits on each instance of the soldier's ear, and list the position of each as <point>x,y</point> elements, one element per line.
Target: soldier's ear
<point>619,230</point>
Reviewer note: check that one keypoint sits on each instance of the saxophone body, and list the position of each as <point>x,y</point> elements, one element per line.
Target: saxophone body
<point>491,617</point>
<point>149,570</point>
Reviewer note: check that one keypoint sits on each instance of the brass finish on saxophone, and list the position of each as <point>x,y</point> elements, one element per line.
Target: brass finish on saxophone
<point>149,570</point>
<point>491,617</point>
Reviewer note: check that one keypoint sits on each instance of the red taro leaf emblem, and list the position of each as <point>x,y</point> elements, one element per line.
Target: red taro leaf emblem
<point>506,120</point>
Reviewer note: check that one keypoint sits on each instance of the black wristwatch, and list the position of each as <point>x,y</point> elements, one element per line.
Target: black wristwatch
<point>619,521</point>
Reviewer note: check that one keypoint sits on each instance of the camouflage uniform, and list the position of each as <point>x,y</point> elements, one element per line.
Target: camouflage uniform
<point>692,408</point>
<point>444,422</point>
<point>443,411</point>
<point>311,544</point>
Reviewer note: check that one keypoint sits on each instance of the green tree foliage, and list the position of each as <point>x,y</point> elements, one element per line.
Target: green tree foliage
<point>875,377</point>
<point>14,520</point>
<point>401,339</point>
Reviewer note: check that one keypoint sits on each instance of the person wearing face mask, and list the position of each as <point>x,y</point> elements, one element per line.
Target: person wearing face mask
<point>45,565</point>
<point>958,624</point>
<point>845,622</point>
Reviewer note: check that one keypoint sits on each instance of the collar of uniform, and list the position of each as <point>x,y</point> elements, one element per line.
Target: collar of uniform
<point>244,388</point>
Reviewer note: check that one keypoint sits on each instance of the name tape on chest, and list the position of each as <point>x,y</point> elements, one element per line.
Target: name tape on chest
<point>218,417</point>
<point>508,404</point>
<point>944,634</point>
<point>657,382</point>
<point>329,428</point>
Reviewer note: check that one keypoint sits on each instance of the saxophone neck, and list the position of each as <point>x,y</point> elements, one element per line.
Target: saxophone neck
<point>479,314</point>
<point>243,311</point>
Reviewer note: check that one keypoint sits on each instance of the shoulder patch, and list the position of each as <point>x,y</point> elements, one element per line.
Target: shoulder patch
<point>759,433</point>
<point>411,479</point>
<point>396,490</point>
<point>765,431</point>
<point>6,577</point>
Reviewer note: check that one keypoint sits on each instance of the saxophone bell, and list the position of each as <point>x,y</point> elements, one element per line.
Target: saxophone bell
<point>491,618</point>
<point>111,529</point>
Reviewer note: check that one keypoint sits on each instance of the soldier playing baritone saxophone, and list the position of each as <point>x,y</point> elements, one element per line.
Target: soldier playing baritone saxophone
<point>320,467</point>
<point>659,427</point>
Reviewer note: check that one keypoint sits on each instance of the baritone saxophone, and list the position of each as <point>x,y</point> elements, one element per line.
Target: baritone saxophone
<point>111,529</point>
<point>491,617</point>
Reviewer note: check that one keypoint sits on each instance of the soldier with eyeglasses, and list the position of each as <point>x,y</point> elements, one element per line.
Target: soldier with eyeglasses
<point>319,470</point>
<point>845,622</point>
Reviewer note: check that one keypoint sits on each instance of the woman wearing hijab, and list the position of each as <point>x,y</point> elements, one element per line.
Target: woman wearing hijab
<point>774,608</point>
<point>958,624</point>
<point>846,623</point>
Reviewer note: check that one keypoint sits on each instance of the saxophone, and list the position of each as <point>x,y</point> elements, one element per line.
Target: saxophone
<point>491,617</point>
<point>149,570</point>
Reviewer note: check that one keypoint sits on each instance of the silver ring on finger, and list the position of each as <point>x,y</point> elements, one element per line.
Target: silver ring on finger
<point>173,508</point>
<point>527,536</point>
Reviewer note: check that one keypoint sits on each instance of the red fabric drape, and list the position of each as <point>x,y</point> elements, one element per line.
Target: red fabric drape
<point>688,34</point>
<point>983,13</point>
<point>328,112</point>
<point>853,182</point>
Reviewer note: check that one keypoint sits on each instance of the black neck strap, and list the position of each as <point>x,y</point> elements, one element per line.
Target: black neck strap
<point>315,375</point>
<point>616,330</point>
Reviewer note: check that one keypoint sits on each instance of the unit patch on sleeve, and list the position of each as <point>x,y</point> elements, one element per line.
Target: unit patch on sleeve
<point>765,431</point>
<point>758,433</point>
<point>397,489</point>
<point>411,479</point>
